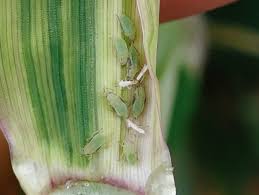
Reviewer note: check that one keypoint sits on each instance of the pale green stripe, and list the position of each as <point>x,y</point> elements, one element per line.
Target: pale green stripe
<point>31,72</point>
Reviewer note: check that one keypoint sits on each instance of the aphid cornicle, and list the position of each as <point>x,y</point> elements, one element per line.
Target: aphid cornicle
<point>129,154</point>
<point>95,143</point>
<point>132,67</point>
<point>127,26</point>
<point>118,105</point>
<point>139,101</point>
<point>122,51</point>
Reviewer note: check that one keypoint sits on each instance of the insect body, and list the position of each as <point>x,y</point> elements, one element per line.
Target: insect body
<point>129,153</point>
<point>127,26</point>
<point>134,62</point>
<point>139,101</point>
<point>118,105</point>
<point>122,51</point>
<point>95,143</point>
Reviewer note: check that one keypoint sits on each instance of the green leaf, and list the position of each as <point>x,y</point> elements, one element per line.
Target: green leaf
<point>57,58</point>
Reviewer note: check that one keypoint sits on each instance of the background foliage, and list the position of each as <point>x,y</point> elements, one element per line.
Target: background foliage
<point>214,128</point>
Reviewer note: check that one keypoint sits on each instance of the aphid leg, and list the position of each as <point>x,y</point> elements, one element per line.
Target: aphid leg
<point>142,72</point>
<point>135,127</point>
<point>128,84</point>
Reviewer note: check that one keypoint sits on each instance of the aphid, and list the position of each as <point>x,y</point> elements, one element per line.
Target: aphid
<point>139,101</point>
<point>134,56</point>
<point>135,127</point>
<point>142,72</point>
<point>118,105</point>
<point>95,143</point>
<point>127,26</point>
<point>127,83</point>
<point>129,154</point>
<point>134,62</point>
<point>122,51</point>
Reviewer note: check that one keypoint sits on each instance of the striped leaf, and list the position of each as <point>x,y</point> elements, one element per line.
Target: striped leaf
<point>57,58</point>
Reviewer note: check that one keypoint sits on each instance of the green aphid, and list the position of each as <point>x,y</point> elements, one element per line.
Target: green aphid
<point>134,62</point>
<point>128,27</point>
<point>139,101</point>
<point>122,51</point>
<point>95,143</point>
<point>129,153</point>
<point>118,105</point>
<point>134,56</point>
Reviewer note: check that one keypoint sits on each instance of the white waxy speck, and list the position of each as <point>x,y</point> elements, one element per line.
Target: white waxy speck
<point>127,83</point>
<point>142,72</point>
<point>135,127</point>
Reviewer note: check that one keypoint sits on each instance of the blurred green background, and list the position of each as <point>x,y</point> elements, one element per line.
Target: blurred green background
<point>213,125</point>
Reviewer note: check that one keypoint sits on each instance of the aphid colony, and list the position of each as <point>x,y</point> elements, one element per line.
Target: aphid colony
<point>128,56</point>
